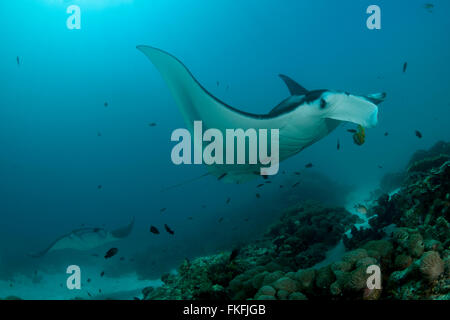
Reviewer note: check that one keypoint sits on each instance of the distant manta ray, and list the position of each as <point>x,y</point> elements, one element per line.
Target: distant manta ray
<point>86,239</point>
<point>302,119</point>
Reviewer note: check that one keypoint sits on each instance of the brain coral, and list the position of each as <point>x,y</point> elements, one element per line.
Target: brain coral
<point>286,284</point>
<point>265,291</point>
<point>306,279</point>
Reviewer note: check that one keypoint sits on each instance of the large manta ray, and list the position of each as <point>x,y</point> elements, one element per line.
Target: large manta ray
<point>86,239</point>
<point>302,119</point>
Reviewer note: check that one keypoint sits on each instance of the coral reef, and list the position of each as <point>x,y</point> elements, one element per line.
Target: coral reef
<point>391,181</point>
<point>306,231</point>
<point>409,240</point>
<point>438,149</point>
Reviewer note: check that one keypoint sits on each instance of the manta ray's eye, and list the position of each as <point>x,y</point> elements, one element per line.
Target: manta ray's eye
<point>323,104</point>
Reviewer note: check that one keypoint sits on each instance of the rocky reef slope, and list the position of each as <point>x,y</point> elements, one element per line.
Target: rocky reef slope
<point>409,240</point>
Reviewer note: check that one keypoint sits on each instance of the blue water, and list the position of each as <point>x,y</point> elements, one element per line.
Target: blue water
<point>52,158</point>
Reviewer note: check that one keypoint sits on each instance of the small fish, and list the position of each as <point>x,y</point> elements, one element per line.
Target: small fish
<point>220,220</point>
<point>190,218</point>
<point>18,60</point>
<point>338,145</point>
<point>297,173</point>
<point>122,259</point>
<point>154,230</point>
<point>102,274</point>
<point>88,280</point>
<point>152,124</point>
<point>228,200</point>
<point>95,255</point>
<point>429,7</point>
<point>258,195</point>
<point>295,184</point>
<point>203,206</point>
<point>309,165</point>
<point>351,130</point>
<point>221,177</point>
<point>234,254</point>
<point>111,253</point>
<point>168,229</point>
<point>405,65</point>
<point>89,294</point>
<point>361,208</point>
<point>265,177</point>
<point>246,219</point>
<point>99,134</point>
<point>99,187</point>
<point>386,134</point>
<point>260,185</point>
<point>100,290</point>
<point>162,209</point>
<point>268,181</point>
<point>418,134</point>
<point>105,104</point>
<point>380,166</point>
<point>281,186</point>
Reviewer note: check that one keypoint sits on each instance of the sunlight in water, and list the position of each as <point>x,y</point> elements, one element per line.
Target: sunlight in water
<point>88,3</point>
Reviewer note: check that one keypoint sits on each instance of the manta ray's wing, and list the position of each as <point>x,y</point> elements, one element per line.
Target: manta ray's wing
<point>51,246</point>
<point>196,103</point>
<point>79,239</point>
<point>124,231</point>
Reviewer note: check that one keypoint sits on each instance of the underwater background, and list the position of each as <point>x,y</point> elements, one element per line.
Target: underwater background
<point>85,125</point>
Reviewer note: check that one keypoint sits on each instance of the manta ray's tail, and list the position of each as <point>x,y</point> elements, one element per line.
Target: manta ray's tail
<point>185,182</point>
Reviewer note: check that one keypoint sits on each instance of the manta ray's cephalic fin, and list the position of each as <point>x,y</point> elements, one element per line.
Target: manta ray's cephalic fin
<point>376,98</point>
